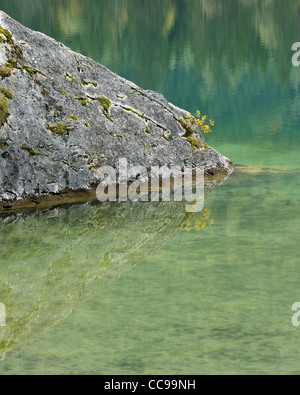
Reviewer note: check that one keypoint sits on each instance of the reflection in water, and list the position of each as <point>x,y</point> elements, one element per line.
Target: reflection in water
<point>168,33</point>
<point>53,260</point>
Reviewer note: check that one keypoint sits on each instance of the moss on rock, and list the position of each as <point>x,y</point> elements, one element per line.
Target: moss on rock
<point>190,135</point>
<point>105,103</point>
<point>5,36</point>
<point>30,151</point>
<point>7,93</point>
<point>31,71</point>
<point>4,114</point>
<point>75,119</point>
<point>5,72</point>
<point>11,63</point>
<point>61,129</point>
<point>83,100</point>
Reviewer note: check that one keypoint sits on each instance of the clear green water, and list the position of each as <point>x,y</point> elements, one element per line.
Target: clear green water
<point>122,289</point>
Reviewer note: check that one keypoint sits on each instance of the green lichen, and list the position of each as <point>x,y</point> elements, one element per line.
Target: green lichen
<point>137,113</point>
<point>134,112</point>
<point>94,83</point>
<point>94,163</point>
<point>83,100</point>
<point>105,103</point>
<point>6,36</point>
<point>30,151</point>
<point>44,91</point>
<point>69,77</point>
<point>95,167</point>
<point>164,136</point>
<point>61,129</point>
<point>91,160</point>
<point>108,116</point>
<point>75,119</point>
<point>11,63</point>
<point>4,114</point>
<point>5,72</point>
<point>194,142</point>
<point>75,57</point>
<point>121,136</point>
<point>17,51</point>
<point>31,71</point>
<point>7,93</point>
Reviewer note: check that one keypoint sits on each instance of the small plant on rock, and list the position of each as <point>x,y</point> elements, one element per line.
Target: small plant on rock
<point>199,121</point>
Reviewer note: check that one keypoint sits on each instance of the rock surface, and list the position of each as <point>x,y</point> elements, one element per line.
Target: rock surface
<point>62,116</point>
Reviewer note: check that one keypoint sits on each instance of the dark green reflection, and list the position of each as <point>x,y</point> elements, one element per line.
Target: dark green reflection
<point>141,34</point>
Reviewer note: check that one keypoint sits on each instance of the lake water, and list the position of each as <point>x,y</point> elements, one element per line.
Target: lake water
<point>123,288</point>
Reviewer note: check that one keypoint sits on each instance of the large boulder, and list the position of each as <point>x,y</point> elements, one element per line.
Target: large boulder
<point>62,116</point>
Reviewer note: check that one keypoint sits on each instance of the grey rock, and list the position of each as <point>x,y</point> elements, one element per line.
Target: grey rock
<point>70,115</point>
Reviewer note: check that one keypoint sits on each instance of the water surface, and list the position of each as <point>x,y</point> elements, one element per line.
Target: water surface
<point>124,289</point>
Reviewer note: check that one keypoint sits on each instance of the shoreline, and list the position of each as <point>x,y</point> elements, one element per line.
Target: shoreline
<point>76,197</point>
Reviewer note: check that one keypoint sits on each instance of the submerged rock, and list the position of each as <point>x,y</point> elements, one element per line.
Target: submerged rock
<point>62,116</point>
